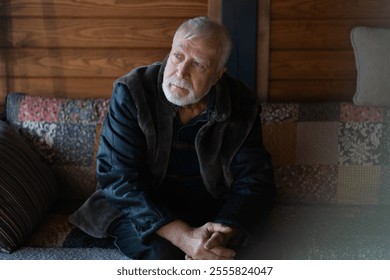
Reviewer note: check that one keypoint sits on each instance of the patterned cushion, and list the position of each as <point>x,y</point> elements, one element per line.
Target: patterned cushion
<point>335,153</point>
<point>27,189</point>
<point>330,153</point>
<point>65,133</point>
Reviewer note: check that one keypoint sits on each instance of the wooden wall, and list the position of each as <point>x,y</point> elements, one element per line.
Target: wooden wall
<point>77,48</point>
<point>310,54</point>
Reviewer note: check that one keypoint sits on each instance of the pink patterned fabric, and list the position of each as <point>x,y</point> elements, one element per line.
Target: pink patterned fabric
<point>353,113</point>
<point>65,132</point>
<point>39,109</point>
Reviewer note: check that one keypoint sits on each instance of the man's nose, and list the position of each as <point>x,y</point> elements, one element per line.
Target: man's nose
<point>183,69</point>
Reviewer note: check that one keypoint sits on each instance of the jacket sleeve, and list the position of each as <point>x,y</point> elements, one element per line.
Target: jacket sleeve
<point>252,192</point>
<point>122,169</point>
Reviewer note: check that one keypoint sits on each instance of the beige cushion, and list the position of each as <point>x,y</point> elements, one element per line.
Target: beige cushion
<point>372,56</point>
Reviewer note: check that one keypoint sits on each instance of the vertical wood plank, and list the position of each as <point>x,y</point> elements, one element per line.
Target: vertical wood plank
<point>263,38</point>
<point>215,10</point>
<point>6,67</point>
<point>240,17</point>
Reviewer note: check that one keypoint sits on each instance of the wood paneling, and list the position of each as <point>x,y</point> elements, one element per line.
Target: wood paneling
<point>311,57</point>
<point>310,90</point>
<point>330,9</point>
<point>54,62</point>
<point>86,33</point>
<point>78,48</point>
<point>63,86</point>
<point>312,65</point>
<point>317,34</point>
<point>105,8</point>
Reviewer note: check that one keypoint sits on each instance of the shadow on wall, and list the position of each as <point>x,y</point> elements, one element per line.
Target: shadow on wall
<point>58,86</point>
<point>6,70</point>
<point>9,47</point>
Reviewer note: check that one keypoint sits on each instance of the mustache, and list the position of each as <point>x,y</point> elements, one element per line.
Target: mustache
<point>179,83</point>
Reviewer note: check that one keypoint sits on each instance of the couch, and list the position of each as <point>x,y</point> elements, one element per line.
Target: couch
<point>332,171</point>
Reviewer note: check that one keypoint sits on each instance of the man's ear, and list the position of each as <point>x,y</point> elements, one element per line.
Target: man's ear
<point>219,74</point>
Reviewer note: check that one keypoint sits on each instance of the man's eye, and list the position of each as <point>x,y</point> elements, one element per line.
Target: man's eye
<point>177,55</point>
<point>199,65</point>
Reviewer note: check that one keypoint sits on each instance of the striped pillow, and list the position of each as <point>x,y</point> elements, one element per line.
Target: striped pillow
<point>27,189</point>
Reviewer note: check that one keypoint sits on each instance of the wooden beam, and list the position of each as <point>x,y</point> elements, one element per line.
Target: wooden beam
<point>263,36</point>
<point>215,10</point>
<point>240,17</point>
<point>5,67</point>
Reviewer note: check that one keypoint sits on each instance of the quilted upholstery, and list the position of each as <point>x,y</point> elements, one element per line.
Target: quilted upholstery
<point>332,169</point>
<point>65,132</point>
<point>329,153</point>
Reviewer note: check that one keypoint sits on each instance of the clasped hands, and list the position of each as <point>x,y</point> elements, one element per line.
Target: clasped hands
<point>209,242</point>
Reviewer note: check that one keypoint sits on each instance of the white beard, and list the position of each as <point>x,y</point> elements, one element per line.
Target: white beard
<point>175,98</point>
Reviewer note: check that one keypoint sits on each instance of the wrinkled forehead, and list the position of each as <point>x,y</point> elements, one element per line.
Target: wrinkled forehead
<point>195,34</point>
<point>205,42</point>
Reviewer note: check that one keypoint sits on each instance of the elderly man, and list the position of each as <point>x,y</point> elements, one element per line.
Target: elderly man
<point>181,167</point>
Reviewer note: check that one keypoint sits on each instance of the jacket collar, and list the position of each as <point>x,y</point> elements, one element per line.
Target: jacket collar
<point>222,100</point>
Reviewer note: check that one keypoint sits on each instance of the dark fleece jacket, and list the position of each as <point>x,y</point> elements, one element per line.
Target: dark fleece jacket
<point>233,162</point>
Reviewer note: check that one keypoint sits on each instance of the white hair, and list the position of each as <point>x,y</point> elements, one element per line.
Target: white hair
<point>205,27</point>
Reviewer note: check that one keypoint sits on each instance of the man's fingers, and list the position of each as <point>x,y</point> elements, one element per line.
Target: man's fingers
<point>215,245</point>
<point>214,227</point>
<point>215,240</point>
<point>223,252</point>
